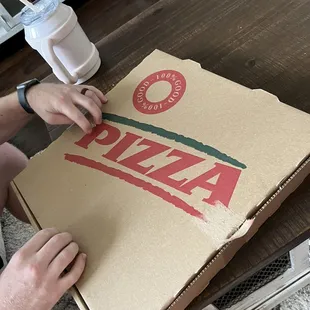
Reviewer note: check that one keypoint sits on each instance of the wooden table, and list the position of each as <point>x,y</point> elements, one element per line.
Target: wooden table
<point>260,44</point>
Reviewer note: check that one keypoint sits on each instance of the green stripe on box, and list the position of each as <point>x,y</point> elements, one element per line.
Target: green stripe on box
<point>211,151</point>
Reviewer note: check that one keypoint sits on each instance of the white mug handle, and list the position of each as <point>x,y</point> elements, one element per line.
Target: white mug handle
<point>58,68</point>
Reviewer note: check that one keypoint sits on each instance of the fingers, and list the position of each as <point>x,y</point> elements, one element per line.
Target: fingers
<point>93,96</point>
<point>74,114</point>
<point>70,278</point>
<point>53,247</point>
<point>89,104</point>
<point>63,259</point>
<point>39,240</point>
<point>62,109</point>
<point>97,92</point>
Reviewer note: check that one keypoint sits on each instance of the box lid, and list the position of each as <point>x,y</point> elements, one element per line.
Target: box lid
<point>182,159</point>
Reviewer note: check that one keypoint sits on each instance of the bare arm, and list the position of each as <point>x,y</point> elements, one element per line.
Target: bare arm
<point>12,117</point>
<point>55,104</point>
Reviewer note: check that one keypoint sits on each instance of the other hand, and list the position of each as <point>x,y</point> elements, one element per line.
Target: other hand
<point>34,279</point>
<point>56,104</point>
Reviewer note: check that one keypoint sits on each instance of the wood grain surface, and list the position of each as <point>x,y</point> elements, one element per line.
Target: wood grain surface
<point>97,18</point>
<point>263,44</point>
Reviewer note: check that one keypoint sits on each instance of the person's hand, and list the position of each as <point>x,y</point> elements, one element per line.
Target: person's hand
<point>56,104</point>
<point>34,278</point>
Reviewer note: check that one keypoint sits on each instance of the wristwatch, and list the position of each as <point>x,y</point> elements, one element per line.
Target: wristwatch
<point>21,93</point>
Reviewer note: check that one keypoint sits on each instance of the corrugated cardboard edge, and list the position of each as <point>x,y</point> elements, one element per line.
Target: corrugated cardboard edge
<point>73,291</point>
<point>201,280</point>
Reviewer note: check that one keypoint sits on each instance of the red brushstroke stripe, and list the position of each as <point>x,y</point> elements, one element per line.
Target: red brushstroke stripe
<point>177,202</point>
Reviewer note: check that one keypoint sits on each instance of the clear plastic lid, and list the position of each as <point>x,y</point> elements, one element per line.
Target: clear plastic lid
<point>45,9</point>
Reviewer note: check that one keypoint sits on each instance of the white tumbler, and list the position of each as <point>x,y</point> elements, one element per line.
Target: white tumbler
<point>55,33</point>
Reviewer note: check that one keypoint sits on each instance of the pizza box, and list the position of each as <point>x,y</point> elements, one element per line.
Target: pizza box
<point>184,169</point>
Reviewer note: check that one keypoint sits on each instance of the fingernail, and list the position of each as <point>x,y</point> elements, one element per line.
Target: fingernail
<point>105,100</point>
<point>84,256</point>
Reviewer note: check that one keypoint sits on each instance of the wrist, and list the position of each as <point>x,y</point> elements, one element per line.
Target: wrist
<point>23,94</point>
<point>32,98</point>
<point>17,109</point>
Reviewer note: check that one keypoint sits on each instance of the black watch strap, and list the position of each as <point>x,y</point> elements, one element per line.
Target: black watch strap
<point>21,93</point>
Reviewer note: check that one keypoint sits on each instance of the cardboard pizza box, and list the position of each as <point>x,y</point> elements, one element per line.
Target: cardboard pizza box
<point>184,169</point>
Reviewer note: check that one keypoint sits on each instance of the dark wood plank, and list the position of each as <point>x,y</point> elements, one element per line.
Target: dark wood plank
<point>257,45</point>
<point>97,18</point>
<point>261,44</point>
<point>33,138</point>
<point>19,63</point>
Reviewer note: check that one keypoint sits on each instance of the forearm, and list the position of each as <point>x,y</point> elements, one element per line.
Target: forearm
<point>12,117</point>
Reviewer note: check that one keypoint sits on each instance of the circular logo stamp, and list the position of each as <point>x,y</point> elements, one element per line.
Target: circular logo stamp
<point>178,86</point>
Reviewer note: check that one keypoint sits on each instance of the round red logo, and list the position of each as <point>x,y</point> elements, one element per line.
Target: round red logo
<point>178,86</point>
